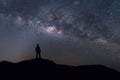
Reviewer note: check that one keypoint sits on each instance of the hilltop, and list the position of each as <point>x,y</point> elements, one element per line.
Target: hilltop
<point>44,69</point>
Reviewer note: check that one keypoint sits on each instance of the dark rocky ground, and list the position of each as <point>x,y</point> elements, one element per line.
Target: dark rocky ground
<point>42,69</point>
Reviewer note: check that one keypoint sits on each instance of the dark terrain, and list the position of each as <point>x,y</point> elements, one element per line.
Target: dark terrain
<point>41,69</point>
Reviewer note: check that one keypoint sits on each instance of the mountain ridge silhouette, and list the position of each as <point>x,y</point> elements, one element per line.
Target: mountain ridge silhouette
<point>43,69</point>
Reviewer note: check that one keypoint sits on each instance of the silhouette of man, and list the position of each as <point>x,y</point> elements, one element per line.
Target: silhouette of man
<point>38,51</point>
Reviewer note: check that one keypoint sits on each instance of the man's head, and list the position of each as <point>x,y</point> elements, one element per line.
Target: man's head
<point>37,44</point>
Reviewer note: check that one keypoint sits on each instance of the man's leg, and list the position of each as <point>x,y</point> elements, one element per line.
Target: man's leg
<point>36,55</point>
<point>39,55</point>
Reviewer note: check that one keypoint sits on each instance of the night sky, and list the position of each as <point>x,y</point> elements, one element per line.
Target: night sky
<point>72,32</point>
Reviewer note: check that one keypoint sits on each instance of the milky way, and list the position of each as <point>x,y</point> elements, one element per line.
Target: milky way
<point>69,31</point>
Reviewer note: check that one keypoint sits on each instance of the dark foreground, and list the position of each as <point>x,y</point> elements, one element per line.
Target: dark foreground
<point>41,69</point>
